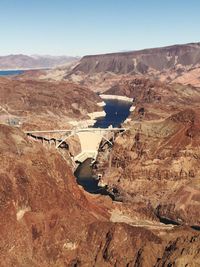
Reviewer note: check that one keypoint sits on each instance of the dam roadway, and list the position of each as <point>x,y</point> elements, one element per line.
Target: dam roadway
<point>76,130</point>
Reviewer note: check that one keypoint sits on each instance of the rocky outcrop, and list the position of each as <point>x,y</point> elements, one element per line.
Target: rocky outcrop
<point>44,214</point>
<point>172,64</point>
<point>47,220</point>
<point>115,239</point>
<point>154,161</point>
<point>139,89</point>
<point>178,253</point>
<point>157,160</point>
<point>40,104</point>
<point>143,61</point>
<point>151,91</point>
<point>177,63</point>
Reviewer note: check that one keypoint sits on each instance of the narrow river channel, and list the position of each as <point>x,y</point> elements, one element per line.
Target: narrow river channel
<point>116,113</point>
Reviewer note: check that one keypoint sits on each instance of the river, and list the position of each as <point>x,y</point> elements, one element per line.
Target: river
<point>116,113</point>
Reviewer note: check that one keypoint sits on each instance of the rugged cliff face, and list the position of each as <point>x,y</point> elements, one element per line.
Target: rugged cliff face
<point>37,104</point>
<point>177,63</point>
<point>157,160</point>
<point>47,220</point>
<point>124,245</point>
<point>44,215</point>
<point>143,61</point>
<point>151,91</point>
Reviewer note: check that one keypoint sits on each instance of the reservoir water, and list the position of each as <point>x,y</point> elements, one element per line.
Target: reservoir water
<point>116,113</point>
<point>10,72</point>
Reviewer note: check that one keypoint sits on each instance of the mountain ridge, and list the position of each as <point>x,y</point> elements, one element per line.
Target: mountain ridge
<point>21,61</point>
<point>142,61</point>
<point>144,49</point>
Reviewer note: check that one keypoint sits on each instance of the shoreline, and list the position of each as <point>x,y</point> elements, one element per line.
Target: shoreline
<point>93,118</point>
<point>97,114</point>
<point>26,69</point>
<point>101,114</point>
<point>101,104</point>
<point>117,97</point>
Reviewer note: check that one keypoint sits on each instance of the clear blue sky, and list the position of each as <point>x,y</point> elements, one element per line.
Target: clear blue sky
<point>79,27</point>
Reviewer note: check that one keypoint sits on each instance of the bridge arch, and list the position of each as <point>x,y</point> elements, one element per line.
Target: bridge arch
<point>90,139</point>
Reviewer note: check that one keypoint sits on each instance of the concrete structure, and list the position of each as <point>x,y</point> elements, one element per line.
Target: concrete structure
<point>90,139</point>
<point>90,142</point>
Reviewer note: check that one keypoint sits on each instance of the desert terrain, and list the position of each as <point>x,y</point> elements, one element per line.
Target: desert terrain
<point>47,219</point>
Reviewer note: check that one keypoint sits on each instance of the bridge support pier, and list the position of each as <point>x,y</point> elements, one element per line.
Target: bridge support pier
<point>90,139</point>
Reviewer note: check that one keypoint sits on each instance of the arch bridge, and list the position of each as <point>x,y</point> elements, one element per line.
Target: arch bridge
<point>90,139</point>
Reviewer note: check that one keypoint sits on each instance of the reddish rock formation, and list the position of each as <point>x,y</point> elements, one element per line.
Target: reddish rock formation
<point>157,160</point>
<point>47,220</point>
<point>38,104</point>
<point>150,91</point>
<point>43,212</point>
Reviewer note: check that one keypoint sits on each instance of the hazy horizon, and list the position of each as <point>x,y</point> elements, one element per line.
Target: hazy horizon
<point>78,28</point>
<point>121,51</point>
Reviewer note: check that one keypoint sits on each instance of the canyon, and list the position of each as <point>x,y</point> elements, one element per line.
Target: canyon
<point>47,220</point>
<point>151,169</point>
<point>156,161</point>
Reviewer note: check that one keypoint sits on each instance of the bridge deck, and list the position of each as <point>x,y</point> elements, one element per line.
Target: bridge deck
<point>90,138</point>
<point>77,130</point>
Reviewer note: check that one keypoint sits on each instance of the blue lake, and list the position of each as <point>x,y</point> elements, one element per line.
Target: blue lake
<point>10,72</point>
<point>116,112</point>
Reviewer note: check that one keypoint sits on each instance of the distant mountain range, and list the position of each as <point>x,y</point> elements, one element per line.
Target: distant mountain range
<point>143,61</point>
<point>176,63</point>
<point>33,62</point>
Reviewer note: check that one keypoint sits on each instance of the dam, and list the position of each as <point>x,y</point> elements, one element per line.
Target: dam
<point>117,112</point>
<point>90,138</point>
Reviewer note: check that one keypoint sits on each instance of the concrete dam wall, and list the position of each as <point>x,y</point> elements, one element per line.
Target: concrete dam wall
<point>90,142</point>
